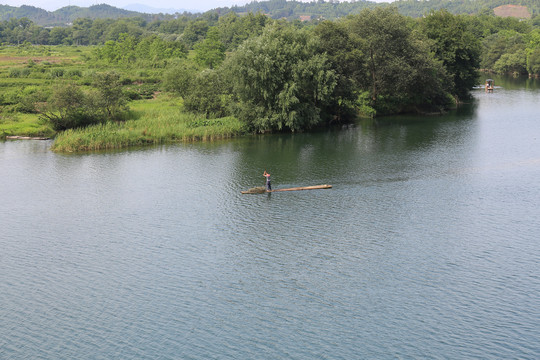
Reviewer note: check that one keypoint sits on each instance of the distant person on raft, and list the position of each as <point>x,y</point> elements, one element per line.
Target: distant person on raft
<point>268,185</point>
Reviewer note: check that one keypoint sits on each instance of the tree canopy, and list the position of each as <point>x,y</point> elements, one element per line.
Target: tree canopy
<point>456,46</point>
<point>281,80</point>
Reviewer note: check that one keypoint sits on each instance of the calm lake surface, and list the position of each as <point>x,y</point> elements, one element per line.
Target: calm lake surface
<point>427,246</point>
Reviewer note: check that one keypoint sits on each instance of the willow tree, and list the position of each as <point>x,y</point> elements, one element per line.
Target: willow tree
<point>456,46</point>
<point>533,50</point>
<point>281,80</point>
<point>348,62</point>
<point>211,51</point>
<point>401,72</point>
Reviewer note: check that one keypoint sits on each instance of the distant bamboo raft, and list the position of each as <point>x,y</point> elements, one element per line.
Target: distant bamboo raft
<point>260,190</point>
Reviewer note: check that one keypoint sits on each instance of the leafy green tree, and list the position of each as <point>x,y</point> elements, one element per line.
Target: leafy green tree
<point>108,52</point>
<point>180,77</point>
<point>533,62</point>
<point>400,72</point>
<point>499,44</point>
<point>69,107</point>
<point>123,27</point>
<point>98,31</point>
<point>110,96</point>
<point>383,37</point>
<point>512,63</point>
<point>235,29</point>
<point>210,52</point>
<point>194,32</point>
<point>281,80</point>
<point>126,48</point>
<point>154,50</point>
<point>207,94</point>
<point>60,35</point>
<point>349,64</point>
<point>43,37</point>
<point>81,30</point>
<point>456,46</point>
<point>176,26</point>
<point>533,52</point>
<point>148,51</point>
<point>535,21</point>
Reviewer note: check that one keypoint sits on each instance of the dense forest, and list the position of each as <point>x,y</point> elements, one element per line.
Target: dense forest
<point>275,9</point>
<point>271,75</point>
<point>508,44</point>
<point>334,9</point>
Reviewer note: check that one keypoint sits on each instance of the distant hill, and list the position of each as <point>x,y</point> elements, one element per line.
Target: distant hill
<point>68,14</point>
<point>33,13</point>
<point>416,8</point>
<point>333,9</point>
<point>277,9</point>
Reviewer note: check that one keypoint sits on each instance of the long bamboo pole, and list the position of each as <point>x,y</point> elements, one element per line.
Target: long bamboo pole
<point>314,187</point>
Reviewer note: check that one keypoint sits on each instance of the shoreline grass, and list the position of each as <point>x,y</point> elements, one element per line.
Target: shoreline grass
<point>158,121</point>
<point>23,125</point>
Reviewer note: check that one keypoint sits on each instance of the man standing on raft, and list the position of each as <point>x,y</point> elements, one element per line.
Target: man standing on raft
<point>268,185</point>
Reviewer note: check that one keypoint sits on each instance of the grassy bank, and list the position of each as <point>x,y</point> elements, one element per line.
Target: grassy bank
<point>157,121</point>
<point>28,70</point>
<point>25,70</point>
<point>23,125</point>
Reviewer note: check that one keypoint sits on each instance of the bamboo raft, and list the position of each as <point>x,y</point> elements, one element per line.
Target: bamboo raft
<point>259,191</point>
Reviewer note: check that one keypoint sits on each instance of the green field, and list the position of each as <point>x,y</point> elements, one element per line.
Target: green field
<point>154,118</point>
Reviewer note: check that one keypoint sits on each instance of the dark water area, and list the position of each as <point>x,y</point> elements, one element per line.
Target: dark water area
<point>427,246</point>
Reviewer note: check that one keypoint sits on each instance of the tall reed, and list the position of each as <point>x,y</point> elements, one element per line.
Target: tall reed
<point>153,125</point>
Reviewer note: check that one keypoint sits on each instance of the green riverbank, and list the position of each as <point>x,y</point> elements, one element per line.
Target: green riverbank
<point>156,121</point>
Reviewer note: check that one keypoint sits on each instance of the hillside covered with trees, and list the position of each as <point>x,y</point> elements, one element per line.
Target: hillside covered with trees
<point>320,9</point>
<point>66,15</point>
<point>276,9</point>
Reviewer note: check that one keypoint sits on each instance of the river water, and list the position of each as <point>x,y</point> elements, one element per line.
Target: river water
<point>427,246</point>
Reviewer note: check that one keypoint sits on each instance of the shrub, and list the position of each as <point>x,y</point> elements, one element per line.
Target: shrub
<point>28,97</point>
<point>39,69</point>
<point>73,73</point>
<point>126,81</point>
<point>14,73</point>
<point>179,78</point>
<point>207,95</point>
<point>25,72</point>
<point>56,73</point>
<point>69,107</point>
<point>132,94</point>
<point>9,97</point>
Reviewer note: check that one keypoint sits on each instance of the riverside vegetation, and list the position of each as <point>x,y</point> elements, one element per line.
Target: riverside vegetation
<point>131,82</point>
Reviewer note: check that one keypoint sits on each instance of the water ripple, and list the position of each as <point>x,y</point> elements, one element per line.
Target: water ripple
<point>425,247</point>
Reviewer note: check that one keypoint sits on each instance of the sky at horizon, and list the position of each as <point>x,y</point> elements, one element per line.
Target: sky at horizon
<point>199,5</point>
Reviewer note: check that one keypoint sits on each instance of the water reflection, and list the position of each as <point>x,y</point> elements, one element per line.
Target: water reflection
<point>389,148</point>
<point>513,83</point>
